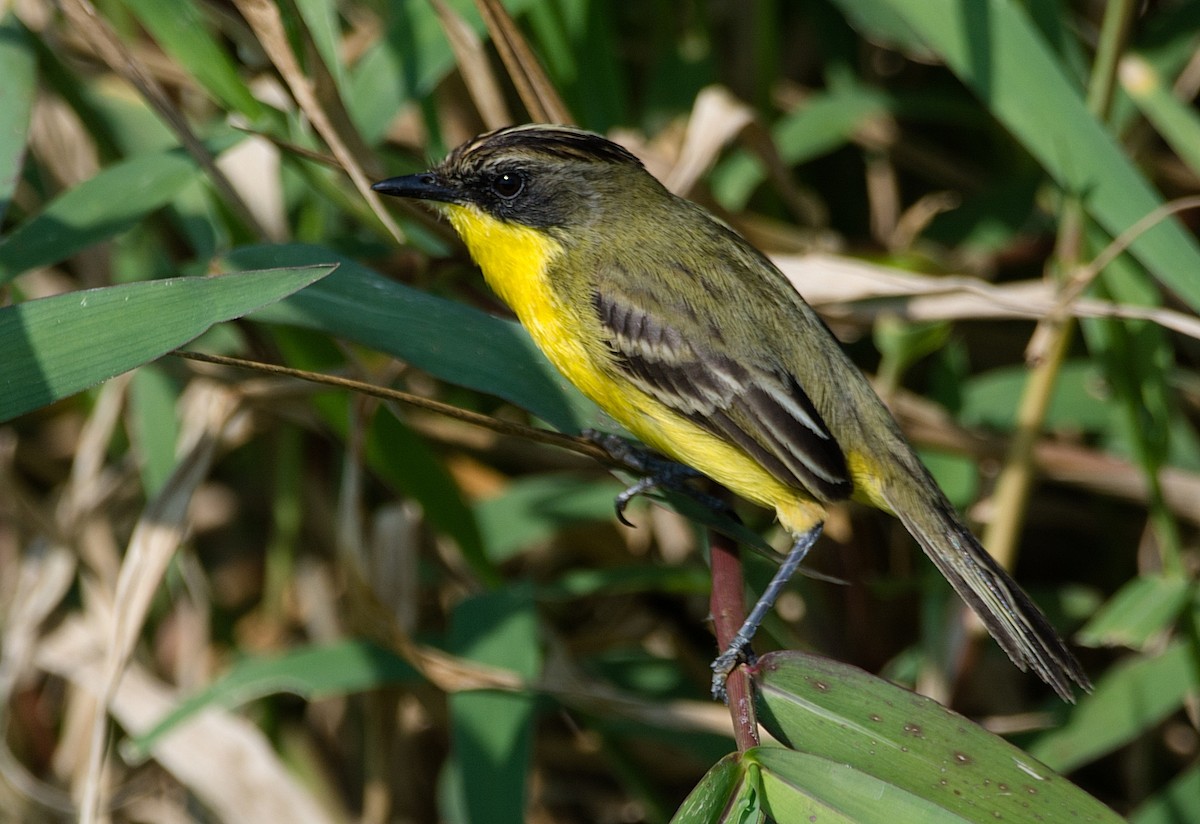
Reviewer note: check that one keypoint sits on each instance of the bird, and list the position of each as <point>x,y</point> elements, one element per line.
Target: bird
<point>695,342</point>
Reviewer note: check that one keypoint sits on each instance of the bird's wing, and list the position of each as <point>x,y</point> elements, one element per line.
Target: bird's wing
<point>759,407</point>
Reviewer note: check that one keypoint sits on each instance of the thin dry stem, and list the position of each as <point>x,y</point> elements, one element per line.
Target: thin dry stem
<point>110,49</point>
<point>265,20</point>
<point>541,99</point>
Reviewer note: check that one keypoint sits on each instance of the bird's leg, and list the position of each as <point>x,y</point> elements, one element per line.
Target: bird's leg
<point>739,648</point>
<point>657,473</point>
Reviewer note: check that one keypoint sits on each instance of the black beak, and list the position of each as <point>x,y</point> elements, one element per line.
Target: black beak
<point>423,186</point>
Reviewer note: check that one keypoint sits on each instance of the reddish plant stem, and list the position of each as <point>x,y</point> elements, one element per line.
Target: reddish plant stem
<point>728,605</point>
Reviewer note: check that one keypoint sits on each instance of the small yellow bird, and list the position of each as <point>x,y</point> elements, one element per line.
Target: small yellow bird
<point>695,342</point>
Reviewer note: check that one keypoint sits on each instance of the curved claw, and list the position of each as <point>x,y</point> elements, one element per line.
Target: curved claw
<point>623,498</point>
<point>619,503</point>
<point>724,665</point>
<point>657,472</point>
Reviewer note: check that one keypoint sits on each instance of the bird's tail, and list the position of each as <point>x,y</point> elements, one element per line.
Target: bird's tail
<point>1013,620</point>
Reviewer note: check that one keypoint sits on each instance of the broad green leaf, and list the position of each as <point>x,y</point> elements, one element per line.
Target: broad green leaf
<point>492,731</point>
<point>449,340</point>
<point>96,210</point>
<point>800,786</point>
<point>1141,610</point>
<point>888,27</point>
<point>994,48</point>
<point>18,67</point>
<point>55,347</point>
<point>771,783</point>
<point>956,474</point>
<point>310,672</point>
<point>902,343</point>
<point>1131,698</point>
<point>847,716</point>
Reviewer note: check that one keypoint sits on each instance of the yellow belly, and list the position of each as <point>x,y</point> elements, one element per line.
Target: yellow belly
<point>515,261</point>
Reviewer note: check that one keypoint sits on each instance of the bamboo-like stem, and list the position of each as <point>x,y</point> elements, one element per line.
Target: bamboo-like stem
<point>728,606</point>
<point>1011,497</point>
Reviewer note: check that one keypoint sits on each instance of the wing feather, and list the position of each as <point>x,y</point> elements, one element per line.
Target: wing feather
<point>759,407</point>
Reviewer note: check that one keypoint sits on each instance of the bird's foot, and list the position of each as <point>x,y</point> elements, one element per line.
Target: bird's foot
<point>724,665</point>
<point>657,473</point>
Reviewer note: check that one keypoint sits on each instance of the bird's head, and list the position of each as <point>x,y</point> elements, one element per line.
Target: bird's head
<point>543,177</point>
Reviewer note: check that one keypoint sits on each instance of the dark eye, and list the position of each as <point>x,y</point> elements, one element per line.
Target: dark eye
<point>508,184</point>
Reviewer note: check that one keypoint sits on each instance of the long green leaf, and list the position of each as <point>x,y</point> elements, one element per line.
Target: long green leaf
<point>535,508</point>
<point>408,62</point>
<point>1174,119</point>
<point>183,33</point>
<point>1140,611</point>
<point>1177,804</point>
<point>18,68</point>
<point>96,210</point>
<point>800,786</point>
<point>310,672</point>
<point>1131,698</point>
<point>55,347</point>
<point>493,731</point>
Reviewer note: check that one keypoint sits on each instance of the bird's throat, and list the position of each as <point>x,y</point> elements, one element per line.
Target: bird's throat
<point>514,258</point>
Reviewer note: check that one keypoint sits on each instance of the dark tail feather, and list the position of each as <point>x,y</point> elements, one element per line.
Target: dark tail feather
<point>1013,620</point>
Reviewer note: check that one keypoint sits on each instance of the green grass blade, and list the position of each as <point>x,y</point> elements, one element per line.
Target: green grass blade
<point>1140,611</point>
<point>152,426</point>
<point>97,209</point>
<point>493,731</point>
<point>1178,803</point>
<point>310,672</point>
<point>321,18</point>
<point>18,67</point>
<point>1174,119</point>
<point>184,34</point>
<point>407,63</point>
<point>55,347</point>
<point>1130,699</point>
<point>402,456</point>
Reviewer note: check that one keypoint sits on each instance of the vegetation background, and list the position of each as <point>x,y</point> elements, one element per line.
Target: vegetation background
<point>330,575</point>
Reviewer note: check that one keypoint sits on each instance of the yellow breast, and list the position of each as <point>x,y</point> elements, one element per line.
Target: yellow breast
<point>515,261</point>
